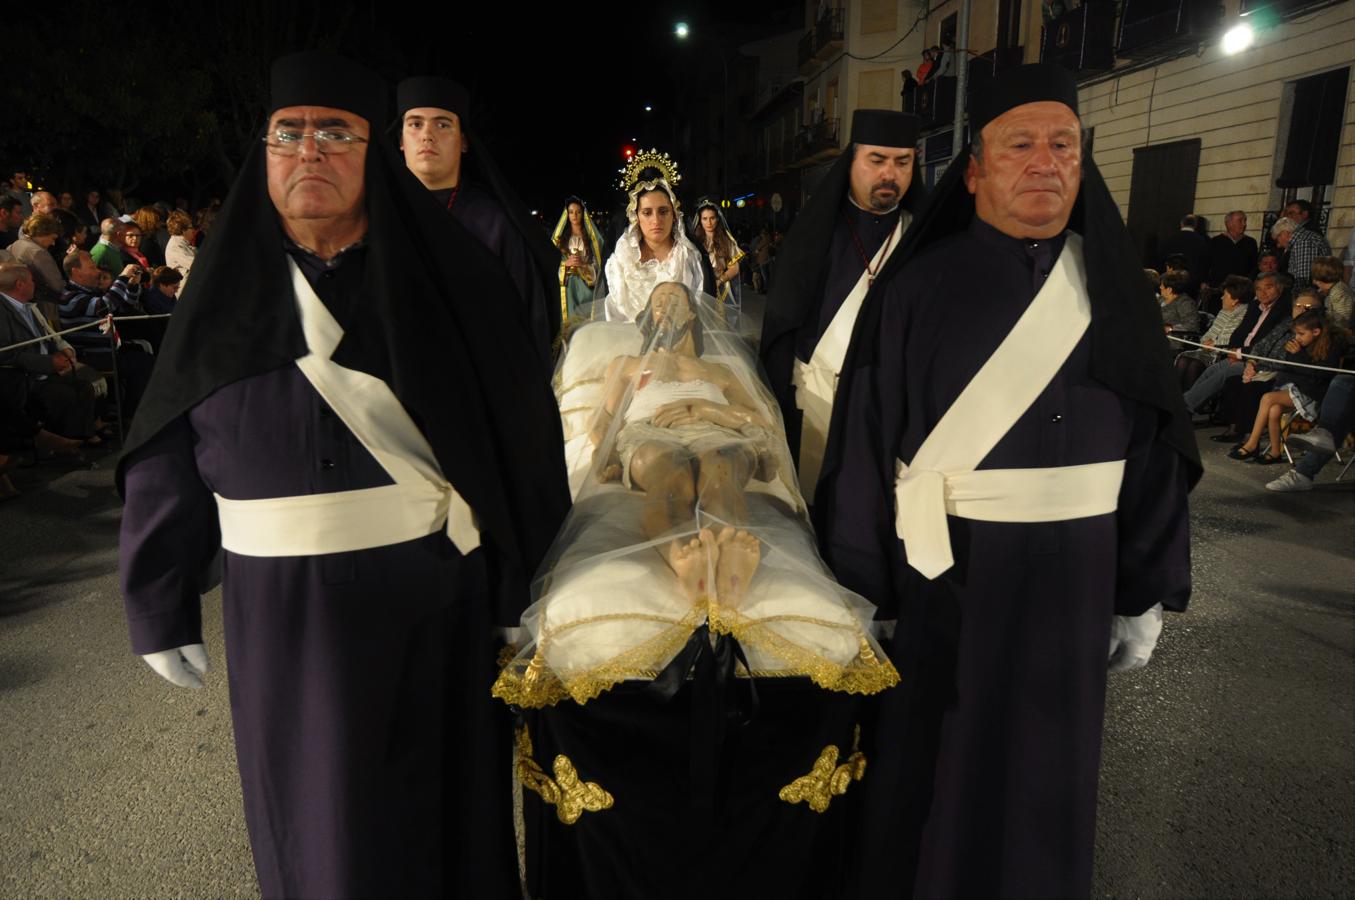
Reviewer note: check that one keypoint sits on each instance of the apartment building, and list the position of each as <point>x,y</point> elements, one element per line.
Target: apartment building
<point>1179,123</point>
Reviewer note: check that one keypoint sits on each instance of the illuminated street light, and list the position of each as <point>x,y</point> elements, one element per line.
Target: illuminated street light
<point>1238,38</point>
<point>649,108</point>
<point>681,30</point>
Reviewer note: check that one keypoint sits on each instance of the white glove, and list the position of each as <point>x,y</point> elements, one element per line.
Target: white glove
<point>184,666</point>
<point>1132,639</point>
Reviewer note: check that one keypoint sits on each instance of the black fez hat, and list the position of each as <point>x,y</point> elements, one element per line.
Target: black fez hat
<point>431,90</point>
<point>324,78</point>
<point>1024,84</point>
<point>885,128</point>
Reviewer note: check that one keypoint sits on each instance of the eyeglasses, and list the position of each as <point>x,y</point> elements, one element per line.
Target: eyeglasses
<point>287,141</point>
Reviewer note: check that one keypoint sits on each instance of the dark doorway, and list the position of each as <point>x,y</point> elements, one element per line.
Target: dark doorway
<point>948,27</point>
<point>1161,191</point>
<point>1315,130</point>
<point>1008,23</point>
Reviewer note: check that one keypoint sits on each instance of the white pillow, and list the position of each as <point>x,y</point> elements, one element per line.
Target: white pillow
<point>591,349</point>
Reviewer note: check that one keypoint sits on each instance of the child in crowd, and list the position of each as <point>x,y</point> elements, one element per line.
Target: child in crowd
<point>1301,390</point>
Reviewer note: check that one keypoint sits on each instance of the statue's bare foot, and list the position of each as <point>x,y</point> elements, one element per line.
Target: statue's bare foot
<point>693,561</point>
<point>740,554</point>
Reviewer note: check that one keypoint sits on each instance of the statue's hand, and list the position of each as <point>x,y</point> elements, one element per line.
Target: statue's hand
<point>679,412</point>
<point>184,666</point>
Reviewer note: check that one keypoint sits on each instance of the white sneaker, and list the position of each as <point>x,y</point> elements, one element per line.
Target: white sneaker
<point>1319,439</point>
<point>1293,480</point>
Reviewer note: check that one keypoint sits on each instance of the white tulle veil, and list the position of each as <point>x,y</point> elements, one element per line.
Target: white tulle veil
<point>686,513</point>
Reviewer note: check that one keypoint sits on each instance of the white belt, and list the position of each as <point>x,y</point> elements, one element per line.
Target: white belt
<point>815,386</point>
<point>923,498</point>
<point>340,522</point>
<point>420,502</point>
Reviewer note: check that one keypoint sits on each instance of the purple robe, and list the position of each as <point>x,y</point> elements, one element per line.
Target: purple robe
<point>373,760</point>
<point>983,778</point>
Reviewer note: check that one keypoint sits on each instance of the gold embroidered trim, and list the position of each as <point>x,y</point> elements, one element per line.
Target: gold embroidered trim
<point>533,683</point>
<point>827,779</point>
<point>567,792</point>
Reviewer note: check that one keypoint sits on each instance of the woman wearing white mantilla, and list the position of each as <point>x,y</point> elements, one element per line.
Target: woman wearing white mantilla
<point>654,248</point>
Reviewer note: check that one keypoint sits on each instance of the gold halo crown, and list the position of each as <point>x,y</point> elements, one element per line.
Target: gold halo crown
<point>650,159</point>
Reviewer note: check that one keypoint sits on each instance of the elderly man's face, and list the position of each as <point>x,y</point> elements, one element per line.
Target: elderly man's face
<point>1283,238</point>
<point>1236,225</point>
<point>43,202</point>
<point>312,184</point>
<point>1295,212</point>
<point>880,176</point>
<point>1267,290</point>
<point>433,142</point>
<point>1027,180</point>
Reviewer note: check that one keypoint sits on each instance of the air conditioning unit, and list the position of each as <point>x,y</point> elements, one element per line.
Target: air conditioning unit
<point>1157,27</point>
<point>1082,39</point>
<point>1276,9</point>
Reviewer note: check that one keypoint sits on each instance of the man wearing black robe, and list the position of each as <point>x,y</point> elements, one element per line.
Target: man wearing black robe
<point>434,116</point>
<point>373,761</point>
<point>854,213</point>
<point>983,763</point>
<point>1188,242</point>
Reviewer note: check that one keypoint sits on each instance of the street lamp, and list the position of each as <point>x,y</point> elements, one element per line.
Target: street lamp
<point>682,31</point>
<point>1238,38</point>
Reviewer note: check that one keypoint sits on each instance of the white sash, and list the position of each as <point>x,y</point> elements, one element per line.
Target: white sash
<point>419,503</point>
<point>942,477</point>
<point>816,381</point>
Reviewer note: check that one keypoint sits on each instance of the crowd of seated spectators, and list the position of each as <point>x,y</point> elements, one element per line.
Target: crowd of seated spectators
<point>1275,339</point>
<point>74,259</point>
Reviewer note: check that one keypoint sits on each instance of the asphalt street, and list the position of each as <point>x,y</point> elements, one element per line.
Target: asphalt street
<point>1229,764</point>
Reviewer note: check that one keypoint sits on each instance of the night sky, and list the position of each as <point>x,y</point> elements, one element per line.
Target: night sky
<point>556,95</point>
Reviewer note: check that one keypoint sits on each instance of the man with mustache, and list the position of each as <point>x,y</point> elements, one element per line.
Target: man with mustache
<point>860,214</point>
<point>1006,477</point>
<point>433,118</point>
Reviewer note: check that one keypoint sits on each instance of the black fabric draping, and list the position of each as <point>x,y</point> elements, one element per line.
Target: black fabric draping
<point>462,364</point>
<point>684,827</point>
<point>545,258</point>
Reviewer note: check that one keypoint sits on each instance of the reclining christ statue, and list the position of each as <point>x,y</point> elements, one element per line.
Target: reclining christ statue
<point>686,513</point>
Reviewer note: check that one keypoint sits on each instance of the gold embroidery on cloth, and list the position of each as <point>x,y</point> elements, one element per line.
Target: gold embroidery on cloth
<point>567,792</point>
<point>533,683</point>
<point>827,779</point>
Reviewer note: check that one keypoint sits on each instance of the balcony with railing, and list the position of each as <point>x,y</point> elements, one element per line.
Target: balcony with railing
<point>822,40</point>
<point>816,142</point>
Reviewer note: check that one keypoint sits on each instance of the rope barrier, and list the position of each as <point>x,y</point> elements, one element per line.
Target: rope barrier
<point>96,324</point>
<point>1234,354</point>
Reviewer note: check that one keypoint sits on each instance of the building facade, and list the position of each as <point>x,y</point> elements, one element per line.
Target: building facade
<point>1178,123</point>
